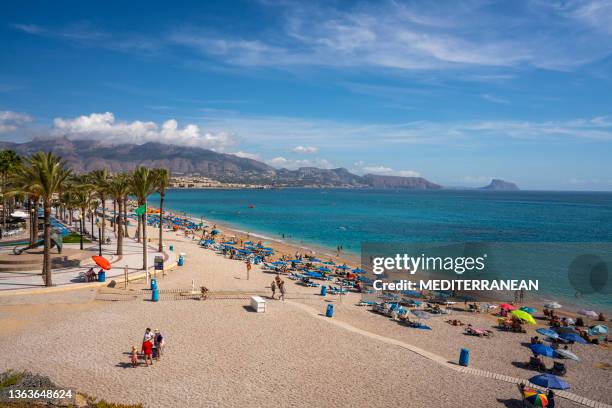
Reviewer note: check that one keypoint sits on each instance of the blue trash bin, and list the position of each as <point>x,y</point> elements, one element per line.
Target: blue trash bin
<point>181,261</point>
<point>330,311</point>
<point>323,290</point>
<point>155,295</point>
<point>464,357</point>
<point>171,247</point>
<point>101,276</point>
<point>153,284</point>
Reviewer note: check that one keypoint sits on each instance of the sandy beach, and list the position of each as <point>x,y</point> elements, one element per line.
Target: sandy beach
<point>219,353</point>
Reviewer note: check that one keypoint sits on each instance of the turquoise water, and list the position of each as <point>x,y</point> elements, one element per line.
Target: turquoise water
<point>332,217</point>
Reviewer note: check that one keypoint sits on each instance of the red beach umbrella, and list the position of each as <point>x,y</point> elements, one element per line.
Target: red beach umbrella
<point>507,306</point>
<point>102,262</point>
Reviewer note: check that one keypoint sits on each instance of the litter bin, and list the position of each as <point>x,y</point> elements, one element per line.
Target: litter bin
<point>181,261</point>
<point>101,276</point>
<point>330,311</point>
<point>155,295</point>
<point>153,284</point>
<point>464,357</point>
<point>171,247</point>
<point>323,290</point>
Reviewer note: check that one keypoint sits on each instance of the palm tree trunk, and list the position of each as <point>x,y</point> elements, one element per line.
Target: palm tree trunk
<point>119,230</point>
<point>144,241</point>
<point>138,226</point>
<point>125,224</point>
<point>114,219</point>
<point>93,232</point>
<point>161,221</point>
<point>47,246</point>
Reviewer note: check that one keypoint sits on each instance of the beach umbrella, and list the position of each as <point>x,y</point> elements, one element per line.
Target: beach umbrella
<point>542,350</point>
<point>101,262</point>
<point>278,263</point>
<point>588,313</point>
<point>249,243</point>
<point>548,333</point>
<point>324,269</point>
<point>315,260</point>
<point>529,310</point>
<point>524,316</point>
<point>535,398</point>
<point>229,243</point>
<point>421,314</point>
<point>552,305</point>
<point>567,354</point>
<point>506,306</point>
<point>549,381</point>
<point>329,263</point>
<point>597,330</point>
<point>358,270</point>
<point>215,232</point>
<point>343,267</point>
<point>573,337</point>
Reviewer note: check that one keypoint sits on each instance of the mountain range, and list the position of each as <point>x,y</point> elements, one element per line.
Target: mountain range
<point>87,155</point>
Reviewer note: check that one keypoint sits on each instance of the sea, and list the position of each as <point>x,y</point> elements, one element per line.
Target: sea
<point>575,224</point>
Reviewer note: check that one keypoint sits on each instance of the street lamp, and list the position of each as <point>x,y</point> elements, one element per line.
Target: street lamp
<point>99,237</point>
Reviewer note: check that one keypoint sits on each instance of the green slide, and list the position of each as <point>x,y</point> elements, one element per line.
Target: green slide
<point>56,240</point>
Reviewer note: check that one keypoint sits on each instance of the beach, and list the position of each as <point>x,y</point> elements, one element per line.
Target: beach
<point>219,353</point>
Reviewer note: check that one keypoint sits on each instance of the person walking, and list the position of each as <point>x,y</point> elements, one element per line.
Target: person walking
<point>159,343</point>
<point>248,268</point>
<point>273,287</point>
<point>281,288</point>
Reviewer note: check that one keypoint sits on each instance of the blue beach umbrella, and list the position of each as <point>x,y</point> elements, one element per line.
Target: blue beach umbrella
<point>573,337</point>
<point>542,350</point>
<point>528,309</point>
<point>295,261</point>
<point>549,381</point>
<point>249,243</point>
<point>215,232</point>
<point>329,263</point>
<point>343,267</point>
<point>278,263</point>
<point>548,333</point>
<point>324,269</point>
<point>229,243</point>
<point>358,270</point>
<point>315,260</point>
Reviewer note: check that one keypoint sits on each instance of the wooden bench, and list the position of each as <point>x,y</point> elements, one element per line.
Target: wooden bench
<point>258,304</point>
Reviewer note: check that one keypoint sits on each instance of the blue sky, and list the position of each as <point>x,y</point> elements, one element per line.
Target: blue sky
<point>458,92</point>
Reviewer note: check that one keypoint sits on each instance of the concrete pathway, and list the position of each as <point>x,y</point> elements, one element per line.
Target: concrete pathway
<point>16,283</point>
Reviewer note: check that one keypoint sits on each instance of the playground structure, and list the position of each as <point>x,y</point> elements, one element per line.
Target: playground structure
<point>56,241</point>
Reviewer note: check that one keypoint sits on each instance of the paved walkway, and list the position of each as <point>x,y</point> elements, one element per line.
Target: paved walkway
<point>68,277</point>
<point>443,361</point>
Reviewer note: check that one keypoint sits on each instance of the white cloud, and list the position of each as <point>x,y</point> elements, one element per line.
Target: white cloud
<point>102,126</point>
<point>384,170</point>
<point>11,121</point>
<point>305,149</point>
<point>283,162</point>
<point>418,36</point>
<point>247,155</point>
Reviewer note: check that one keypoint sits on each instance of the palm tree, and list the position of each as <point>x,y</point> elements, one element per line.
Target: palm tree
<point>43,175</point>
<point>143,184</point>
<point>99,178</point>
<point>162,178</point>
<point>119,188</point>
<point>9,165</point>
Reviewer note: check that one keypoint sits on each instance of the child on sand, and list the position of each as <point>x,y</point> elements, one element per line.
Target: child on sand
<point>281,287</point>
<point>273,287</point>
<point>134,357</point>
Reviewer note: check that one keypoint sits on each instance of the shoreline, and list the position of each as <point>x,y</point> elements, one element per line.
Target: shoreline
<point>286,247</point>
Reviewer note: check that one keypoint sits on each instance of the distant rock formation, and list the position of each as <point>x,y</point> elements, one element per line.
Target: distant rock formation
<point>412,183</point>
<point>500,185</point>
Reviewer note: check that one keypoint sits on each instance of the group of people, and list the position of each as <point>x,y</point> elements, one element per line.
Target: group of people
<point>279,284</point>
<point>153,344</point>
